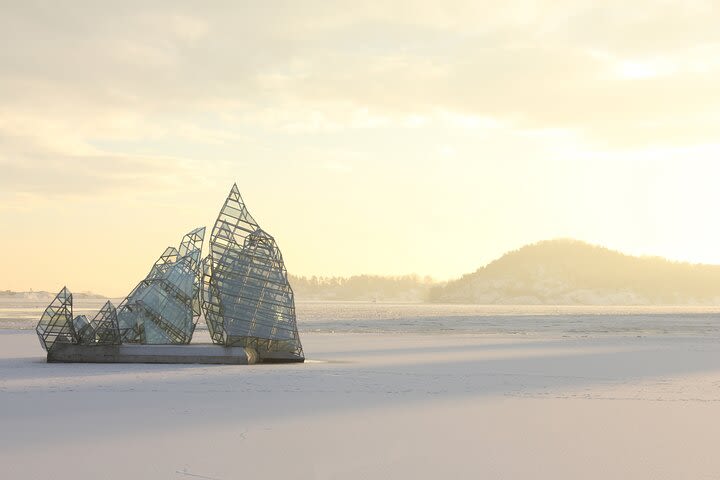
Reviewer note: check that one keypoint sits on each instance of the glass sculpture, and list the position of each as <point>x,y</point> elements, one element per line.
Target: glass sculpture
<point>247,299</point>
<point>105,326</point>
<point>164,307</point>
<point>241,287</point>
<point>56,322</point>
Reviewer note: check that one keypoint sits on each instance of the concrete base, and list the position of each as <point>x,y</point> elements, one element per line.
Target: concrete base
<point>279,357</point>
<point>206,353</point>
<point>193,353</point>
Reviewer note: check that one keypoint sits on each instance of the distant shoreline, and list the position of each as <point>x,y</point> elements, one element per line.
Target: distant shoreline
<point>43,295</point>
<point>552,272</point>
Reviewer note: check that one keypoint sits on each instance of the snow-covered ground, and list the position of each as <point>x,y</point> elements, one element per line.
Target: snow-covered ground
<point>367,405</point>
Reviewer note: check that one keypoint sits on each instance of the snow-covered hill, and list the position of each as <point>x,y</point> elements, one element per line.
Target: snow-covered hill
<point>570,272</point>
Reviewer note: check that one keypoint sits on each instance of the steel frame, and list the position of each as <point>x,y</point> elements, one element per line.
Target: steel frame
<point>247,298</point>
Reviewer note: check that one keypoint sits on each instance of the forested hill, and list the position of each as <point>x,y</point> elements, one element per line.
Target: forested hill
<point>570,272</point>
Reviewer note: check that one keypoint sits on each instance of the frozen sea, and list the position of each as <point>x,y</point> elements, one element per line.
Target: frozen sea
<point>391,318</point>
<point>396,391</point>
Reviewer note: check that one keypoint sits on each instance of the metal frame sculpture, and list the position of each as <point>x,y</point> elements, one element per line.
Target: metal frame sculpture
<point>56,322</point>
<point>247,299</point>
<point>164,307</point>
<point>85,331</point>
<point>105,326</point>
<point>241,287</point>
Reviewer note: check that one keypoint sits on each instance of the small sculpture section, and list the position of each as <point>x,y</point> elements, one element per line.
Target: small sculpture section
<point>164,307</point>
<point>105,325</point>
<point>57,325</point>
<point>85,331</point>
<point>247,299</point>
<point>56,322</point>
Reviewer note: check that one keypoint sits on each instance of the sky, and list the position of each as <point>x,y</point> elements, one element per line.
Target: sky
<point>366,137</point>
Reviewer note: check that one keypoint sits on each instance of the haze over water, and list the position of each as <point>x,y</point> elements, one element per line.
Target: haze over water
<point>397,318</point>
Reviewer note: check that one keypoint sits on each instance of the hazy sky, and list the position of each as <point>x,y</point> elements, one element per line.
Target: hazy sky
<point>384,138</point>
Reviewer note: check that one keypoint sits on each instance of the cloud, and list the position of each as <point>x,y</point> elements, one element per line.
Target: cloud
<point>35,170</point>
<point>75,78</point>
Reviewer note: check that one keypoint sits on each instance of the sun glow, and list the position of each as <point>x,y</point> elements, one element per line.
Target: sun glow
<point>424,150</point>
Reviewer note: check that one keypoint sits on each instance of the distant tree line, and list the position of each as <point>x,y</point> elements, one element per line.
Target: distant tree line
<point>560,272</point>
<point>409,288</point>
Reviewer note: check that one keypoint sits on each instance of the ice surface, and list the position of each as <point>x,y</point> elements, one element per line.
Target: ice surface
<point>585,394</point>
